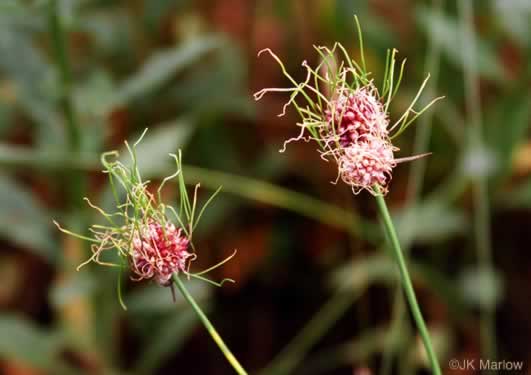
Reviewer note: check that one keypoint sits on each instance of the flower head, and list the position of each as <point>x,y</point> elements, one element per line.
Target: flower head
<point>159,251</point>
<point>342,110</point>
<point>151,238</point>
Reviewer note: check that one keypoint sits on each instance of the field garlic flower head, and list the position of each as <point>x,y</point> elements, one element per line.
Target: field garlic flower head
<point>158,252</point>
<point>151,239</point>
<point>342,110</point>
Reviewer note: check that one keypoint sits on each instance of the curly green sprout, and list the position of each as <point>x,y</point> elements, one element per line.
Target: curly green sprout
<point>342,110</point>
<point>149,236</point>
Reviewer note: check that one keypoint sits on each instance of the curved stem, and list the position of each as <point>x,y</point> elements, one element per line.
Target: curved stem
<point>406,282</point>
<point>209,327</point>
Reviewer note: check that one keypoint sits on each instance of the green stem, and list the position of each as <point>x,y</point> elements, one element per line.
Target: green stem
<point>414,187</point>
<point>59,44</point>
<point>480,188</point>
<point>406,282</point>
<point>209,327</point>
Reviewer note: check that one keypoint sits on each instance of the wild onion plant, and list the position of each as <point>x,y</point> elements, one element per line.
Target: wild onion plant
<point>342,110</point>
<point>151,239</point>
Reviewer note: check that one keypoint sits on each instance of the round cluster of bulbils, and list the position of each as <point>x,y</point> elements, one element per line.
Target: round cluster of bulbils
<point>357,131</point>
<point>158,251</point>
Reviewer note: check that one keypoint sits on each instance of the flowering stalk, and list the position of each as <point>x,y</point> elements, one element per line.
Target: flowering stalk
<point>414,189</point>
<point>342,110</point>
<point>406,283</point>
<point>141,236</point>
<point>209,327</point>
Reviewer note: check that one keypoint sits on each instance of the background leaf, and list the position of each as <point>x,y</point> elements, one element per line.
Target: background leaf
<point>170,335</point>
<point>153,152</point>
<point>23,341</point>
<point>428,222</point>
<point>24,221</point>
<point>161,67</point>
<point>506,128</point>
<point>155,299</point>
<point>445,31</point>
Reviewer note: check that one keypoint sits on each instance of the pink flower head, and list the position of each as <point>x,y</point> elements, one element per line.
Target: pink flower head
<point>158,252</point>
<point>354,114</point>
<point>341,109</point>
<point>367,163</point>
<point>154,248</point>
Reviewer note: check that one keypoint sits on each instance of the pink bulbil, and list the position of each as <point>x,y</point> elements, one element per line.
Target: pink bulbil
<point>367,163</point>
<point>157,253</point>
<point>355,114</point>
